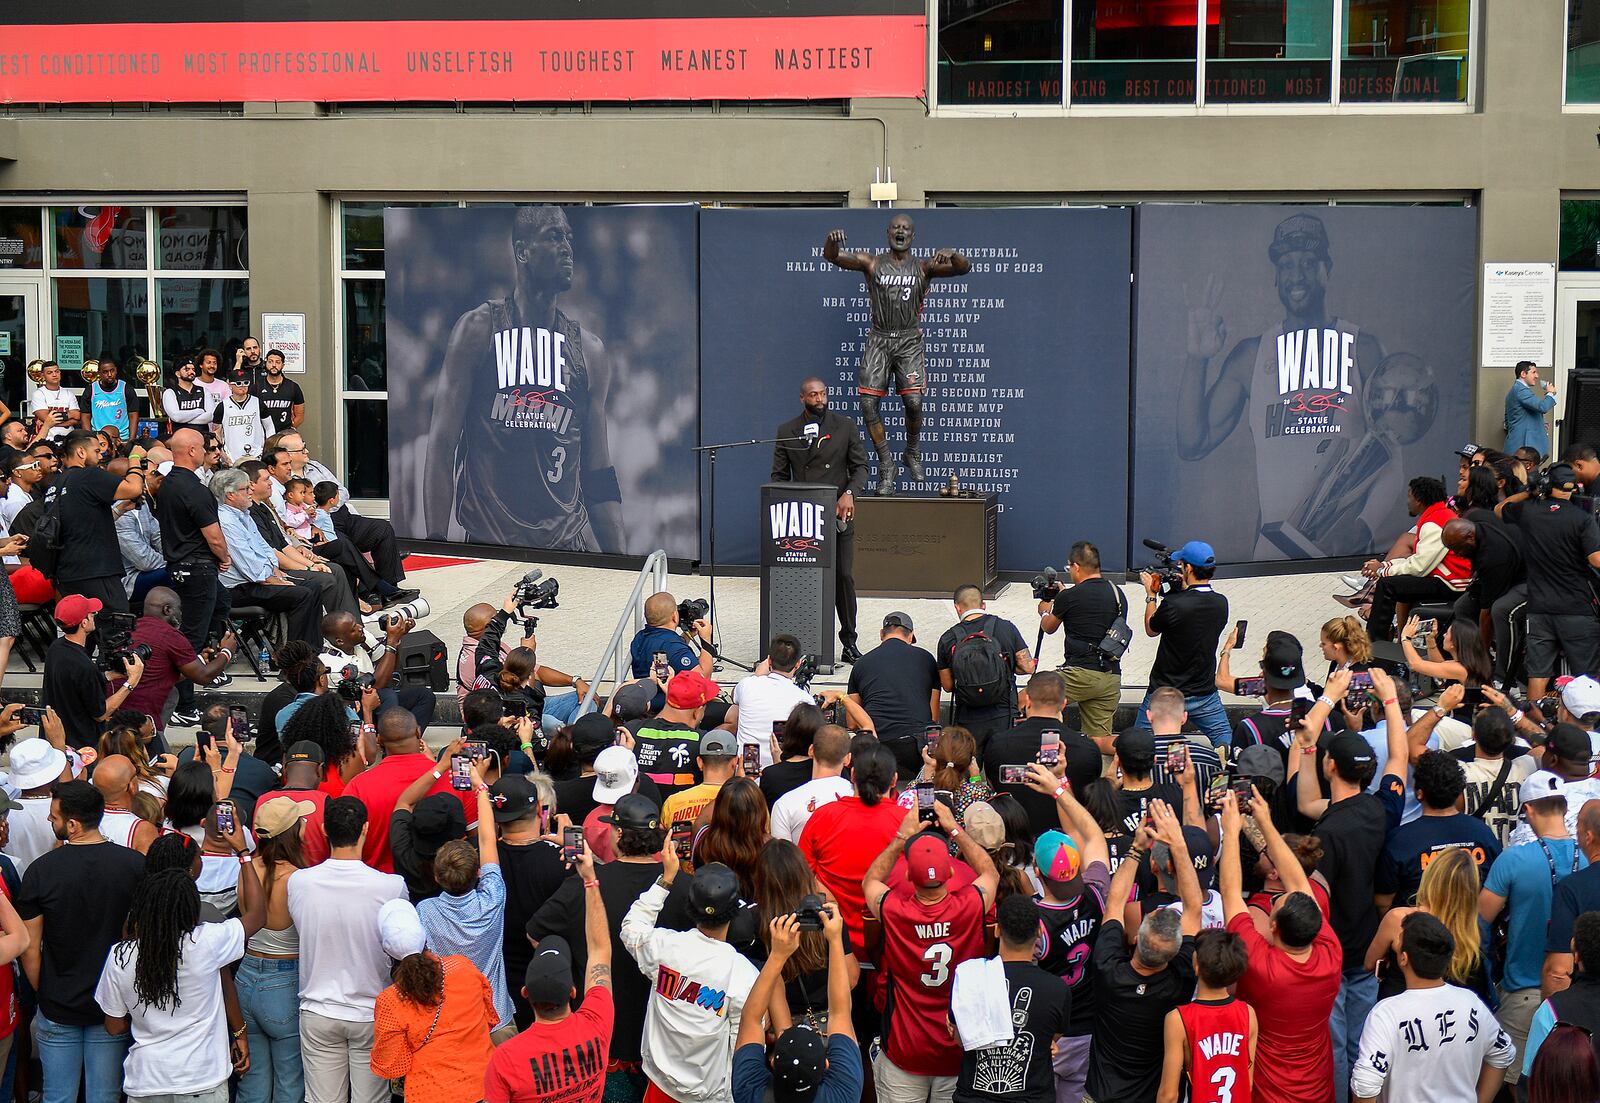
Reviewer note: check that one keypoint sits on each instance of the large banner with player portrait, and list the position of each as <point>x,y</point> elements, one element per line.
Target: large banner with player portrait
<point>1295,367</point>
<point>1025,361</point>
<point>546,357</point>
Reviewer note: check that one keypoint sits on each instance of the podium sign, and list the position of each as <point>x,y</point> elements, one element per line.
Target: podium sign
<point>799,539</point>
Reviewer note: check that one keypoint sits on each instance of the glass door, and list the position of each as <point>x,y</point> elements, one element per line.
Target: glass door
<point>21,338</point>
<point>1577,350</point>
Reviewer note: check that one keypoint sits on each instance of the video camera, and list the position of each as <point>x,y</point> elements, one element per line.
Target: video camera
<point>691,610</point>
<point>530,594</point>
<point>805,670</point>
<point>1167,570</point>
<point>116,642</point>
<point>352,683</point>
<point>1046,585</point>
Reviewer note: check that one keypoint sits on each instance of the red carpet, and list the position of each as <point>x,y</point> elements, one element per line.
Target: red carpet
<point>423,562</point>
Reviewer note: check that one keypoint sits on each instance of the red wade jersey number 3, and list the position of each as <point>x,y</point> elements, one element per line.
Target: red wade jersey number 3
<point>531,365</point>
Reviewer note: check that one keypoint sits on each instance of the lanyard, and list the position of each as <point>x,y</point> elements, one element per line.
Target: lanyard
<point>1550,858</point>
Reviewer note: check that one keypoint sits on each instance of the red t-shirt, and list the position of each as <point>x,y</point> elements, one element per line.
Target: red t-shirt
<point>1293,1001</point>
<point>840,841</point>
<point>1265,900</point>
<point>922,945</point>
<point>561,1062</point>
<point>8,989</point>
<point>1219,1051</point>
<point>169,651</point>
<point>313,836</point>
<point>379,788</point>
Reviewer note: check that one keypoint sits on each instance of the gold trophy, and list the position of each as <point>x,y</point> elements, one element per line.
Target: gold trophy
<point>90,372</point>
<point>36,372</point>
<point>147,372</point>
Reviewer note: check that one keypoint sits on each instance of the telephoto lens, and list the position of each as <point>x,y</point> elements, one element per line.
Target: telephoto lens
<point>416,610</point>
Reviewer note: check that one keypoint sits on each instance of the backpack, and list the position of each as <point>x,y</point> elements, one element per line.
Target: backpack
<point>44,542</point>
<point>980,670</point>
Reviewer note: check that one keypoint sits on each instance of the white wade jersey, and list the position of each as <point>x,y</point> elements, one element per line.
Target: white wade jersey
<point>1306,414</point>
<point>517,463</point>
<point>242,434</point>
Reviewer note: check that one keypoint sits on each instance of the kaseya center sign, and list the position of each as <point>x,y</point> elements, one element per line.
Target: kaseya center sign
<point>90,51</point>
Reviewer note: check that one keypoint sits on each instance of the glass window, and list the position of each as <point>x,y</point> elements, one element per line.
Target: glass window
<point>366,448</point>
<point>109,314</point>
<point>99,237</point>
<point>363,233</point>
<point>1583,51</point>
<point>365,368</point>
<point>196,313</point>
<point>1134,51</point>
<point>19,237</point>
<point>203,237</point>
<point>1580,235</point>
<point>1000,51</point>
<point>1405,51</point>
<point>1269,51</point>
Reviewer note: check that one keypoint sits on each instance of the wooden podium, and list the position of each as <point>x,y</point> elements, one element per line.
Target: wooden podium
<point>925,547</point>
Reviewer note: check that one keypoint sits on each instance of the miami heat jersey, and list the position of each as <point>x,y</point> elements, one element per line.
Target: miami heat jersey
<point>524,433</point>
<point>1066,945</point>
<point>897,291</point>
<point>1219,1050</point>
<point>1305,410</point>
<point>922,945</point>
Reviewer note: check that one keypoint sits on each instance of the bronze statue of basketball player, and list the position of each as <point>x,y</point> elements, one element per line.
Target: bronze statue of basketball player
<point>896,285</point>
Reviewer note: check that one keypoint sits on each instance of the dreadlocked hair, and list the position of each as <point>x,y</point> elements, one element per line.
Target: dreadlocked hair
<point>174,850</point>
<point>164,909</point>
<point>419,978</point>
<point>298,666</point>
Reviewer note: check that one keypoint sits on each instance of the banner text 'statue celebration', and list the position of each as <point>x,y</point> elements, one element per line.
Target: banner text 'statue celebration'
<point>183,51</point>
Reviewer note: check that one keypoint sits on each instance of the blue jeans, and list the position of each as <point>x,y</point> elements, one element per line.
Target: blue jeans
<point>73,1055</point>
<point>269,996</point>
<point>1205,712</point>
<point>1357,993</point>
<point>560,711</point>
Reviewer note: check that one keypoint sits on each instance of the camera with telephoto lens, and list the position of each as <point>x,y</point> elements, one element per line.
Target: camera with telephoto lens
<point>531,594</point>
<point>413,610</point>
<point>808,916</point>
<point>116,642</point>
<point>353,683</point>
<point>805,670</point>
<point>691,610</point>
<point>1046,585</point>
<point>1167,570</point>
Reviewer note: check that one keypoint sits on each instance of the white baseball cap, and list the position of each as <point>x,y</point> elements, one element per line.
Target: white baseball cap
<point>400,929</point>
<point>615,771</point>
<point>1581,696</point>
<point>1541,785</point>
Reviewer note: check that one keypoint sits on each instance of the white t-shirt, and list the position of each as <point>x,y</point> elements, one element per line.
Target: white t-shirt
<point>243,436</point>
<point>794,808</point>
<point>763,698</point>
<point>59,399</point>
<point>342,964</point>
<point>31,833</point>
<point>15,501</point>
<point>1578,793</point>
<point>1428,1043</point>
<point>179,1050</point>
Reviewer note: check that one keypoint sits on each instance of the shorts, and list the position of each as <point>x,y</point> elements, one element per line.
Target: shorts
<point>901,351</point>
<point>1573,635</point>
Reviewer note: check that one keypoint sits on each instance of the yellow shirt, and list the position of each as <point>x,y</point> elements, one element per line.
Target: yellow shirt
<point>687,804</point>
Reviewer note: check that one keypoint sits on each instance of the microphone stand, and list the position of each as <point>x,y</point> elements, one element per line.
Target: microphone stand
<point>711,451</point>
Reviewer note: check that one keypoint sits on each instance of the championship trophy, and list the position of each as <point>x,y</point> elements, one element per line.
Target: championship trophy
<point>36,372</point>
<point>90,372</point>
<point>1400,400</point>
<point>147,372</point>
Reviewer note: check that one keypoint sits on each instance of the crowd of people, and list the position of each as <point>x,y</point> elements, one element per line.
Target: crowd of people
<point>957,879</point>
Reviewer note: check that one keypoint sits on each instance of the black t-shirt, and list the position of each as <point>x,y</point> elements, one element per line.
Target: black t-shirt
<point>1085,612</point>
<point>183,507</point>
<point>1020,745</point>
<point>1134,803</point>
<point>1190,623</point>
<point>895,681</point>
<point>784,777</point>
<point>88,531</point>
<point>1125,1058</point>
<point>1004,633</point>
<point>76,689</point>
<point>1557,540</point>
<point>621,883</point>
<point>532,872</point>
<point>666,751</point>
<point>1019,1069</point>
<point>1497,562</point>
<point>269,748</point>
<point>1352,832</point>
<point>276,399</point>
<point>83,893</point>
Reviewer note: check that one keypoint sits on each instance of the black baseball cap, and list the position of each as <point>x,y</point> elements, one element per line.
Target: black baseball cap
<point>549,975</point>
<point>634,810</point>
<point>1570,743</point>
<point>800,1060</point>
<point>1562,477</point>
<point>1351,755</point>
<point>1136,745</point>
<point>1283,665</point>
<point>305,751</point>
<point>1198,844</point>
<point>436,820</point>
<point>514,798</point>
<point>713,894</point>
<point>632,701</point>
<point>592,732</point>
<point>898,620</point>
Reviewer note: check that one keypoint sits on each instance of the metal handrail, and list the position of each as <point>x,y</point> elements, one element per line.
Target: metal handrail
<point>653,573</point>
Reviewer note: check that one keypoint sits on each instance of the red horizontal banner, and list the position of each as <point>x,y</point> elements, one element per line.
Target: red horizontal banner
<point>817,57</point>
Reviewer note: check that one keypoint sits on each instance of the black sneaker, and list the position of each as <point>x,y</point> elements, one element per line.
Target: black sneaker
<point>219,681</point>
<point>400,597</point>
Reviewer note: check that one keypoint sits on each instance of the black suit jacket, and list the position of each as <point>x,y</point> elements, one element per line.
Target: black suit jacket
<point>839,461</point>
<point>261,514</point>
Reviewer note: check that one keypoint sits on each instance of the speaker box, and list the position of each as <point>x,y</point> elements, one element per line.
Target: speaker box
<point>424,661</point>
<point>1581,421</point>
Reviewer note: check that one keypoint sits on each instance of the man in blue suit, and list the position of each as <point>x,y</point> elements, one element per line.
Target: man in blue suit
<point>1526,404</point>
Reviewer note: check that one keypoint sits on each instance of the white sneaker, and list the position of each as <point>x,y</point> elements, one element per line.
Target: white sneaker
<point>1355,581</point>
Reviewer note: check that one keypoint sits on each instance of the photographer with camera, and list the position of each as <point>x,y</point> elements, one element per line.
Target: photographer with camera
<point>1087,609</point>
<point>979,657</point>
<point>768,695</point>
<point>1560,550</point>
<point>659,647</point>
<point>169,657</point>
<point>518,675</point>
<point>1190,621</point>
<point>73,685</point>
<point>345,645</point>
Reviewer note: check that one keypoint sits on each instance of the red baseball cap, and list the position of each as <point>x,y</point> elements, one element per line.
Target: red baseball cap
<point>689,689</point>
<point>927,861</point>
<point>72,609</point>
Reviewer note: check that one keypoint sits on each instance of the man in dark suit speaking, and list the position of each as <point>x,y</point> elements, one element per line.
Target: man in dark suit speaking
<point>829,451</point>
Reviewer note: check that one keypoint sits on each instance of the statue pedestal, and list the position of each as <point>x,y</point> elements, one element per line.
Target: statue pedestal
<point>925,547</point>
